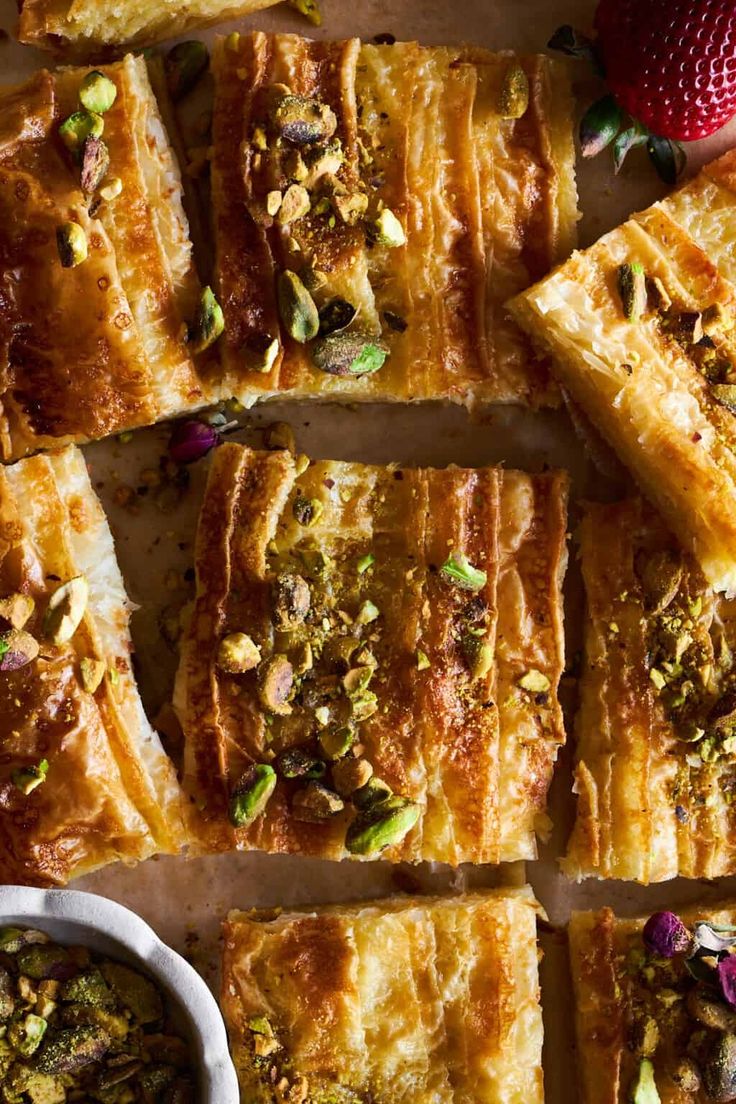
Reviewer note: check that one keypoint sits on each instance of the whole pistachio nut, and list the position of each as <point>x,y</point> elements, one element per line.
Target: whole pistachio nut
<point>514,97</point>
<point>386,229</point>
<point>252,794</point>
<point>95,163</point>
<point>302,120</point>
<point>237,653</point>
<point>632,290</point>
<point>184,65</point>
<point>78,127</point>
<point>297,308</point>
<point>97,93</point>
<point>16,609</point>
<point>65,610</point>
<point>349,353</point>
<point>275,683</point>
<point>316,803</point>
<point>71,242</point>
<point>208,324</point>
<point>384,825</point>
<point>17,649</point>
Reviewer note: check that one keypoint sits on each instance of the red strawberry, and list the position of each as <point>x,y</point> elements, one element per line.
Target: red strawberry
<point>671,63</point>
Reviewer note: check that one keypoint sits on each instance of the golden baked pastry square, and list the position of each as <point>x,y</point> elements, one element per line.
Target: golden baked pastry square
<point>373,211</point>
<point>655,1005</point>
<point>656,731</point>
<point>99,346</point>
<point>372,662</point>
<point>640,328</point>
<point>83,778</point>
<point>419,999</point>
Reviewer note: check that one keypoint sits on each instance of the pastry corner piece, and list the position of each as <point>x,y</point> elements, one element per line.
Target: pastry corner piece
<point>372,662</point>
<point>84,780</point>
<point>656,730</point>
<point>100,292</point>
<point>641,331</point>
<point>655,1005</point>
<point>374,207</point>
<point>94,28</point>
<point>411,999</point>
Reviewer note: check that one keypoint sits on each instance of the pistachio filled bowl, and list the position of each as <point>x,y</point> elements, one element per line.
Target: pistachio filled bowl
<point>88,990</point>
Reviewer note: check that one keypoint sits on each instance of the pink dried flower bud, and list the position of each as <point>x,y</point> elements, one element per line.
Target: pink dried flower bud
<point>192,440</point>
<point>665,935</point>
<point>727,979</point>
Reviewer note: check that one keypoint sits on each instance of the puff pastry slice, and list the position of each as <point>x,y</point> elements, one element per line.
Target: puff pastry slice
<point>419,999</point>
<point>406,197</point>
<point>445,694</point>
<point>94,349</point>
<point>83,779</point>
<point>641,330</point>
<point>656,768</point>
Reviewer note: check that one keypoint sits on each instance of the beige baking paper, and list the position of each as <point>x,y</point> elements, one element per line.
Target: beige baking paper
<point>185,900</point>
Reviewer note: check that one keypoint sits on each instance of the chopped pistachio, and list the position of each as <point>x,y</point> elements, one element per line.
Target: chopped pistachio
<point>307,511</point>
<point>632,289</point>
<point>112,189</point>
<point>351,774</point>
<point>260,352</point>
<point>232,42</point>
<point>27,779</point>
<point>77,128</point>
<point>725,393</point>
<point>294,205</point>
<point>535,682</point>
<point>95,163</point>
<point>280,435</point>
<point>322,714</point>
<point>387,230</point>
<point>291,600</point>
<point>275,684</point>
<point>716,320</point>
<point>458,570</point>
<point>367,613</point>
<point>65,610</point>
<point>336,741</point>
<point>357,679</point>
<point>365,562</point>
<point>273,202</point>
<point>97,93</point>
<point>423,661</point>
<point>350,206</point>
<point>478,656</point>
<point>316,803</point>
<point>252,794</point>
<point>92,672</point>
<point>661,575</point>
<point>237,653</point>
<point>657,295</point>
<point>336,316</point>
<point>372,793</point>
<point>71,242</point>
<point>26,1035</point>
<point>349,353</point>
<point>184,65</point>
<point>16,609</point>
<point>208,324</point>
<point>297,763</point>
<point>364,704</point>
<point>514,97</point>
<point>657,678</point>
<point>308,8</point>
<point>297,308</point>
<point>380,826</point>
<point>302,658</point>
<point>302,120</point>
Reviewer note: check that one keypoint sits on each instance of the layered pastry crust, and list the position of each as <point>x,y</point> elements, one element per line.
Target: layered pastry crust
<point>656,770</point>
<point>84,28</point>
<point>659,385</point>
<point>101,347</point>
<point>107,791</point>
<point>465,723</point>
<point>485,205</point>
<point>416,999</point>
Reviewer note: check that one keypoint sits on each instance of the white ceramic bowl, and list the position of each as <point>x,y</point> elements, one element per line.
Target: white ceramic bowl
<point>69,916</point>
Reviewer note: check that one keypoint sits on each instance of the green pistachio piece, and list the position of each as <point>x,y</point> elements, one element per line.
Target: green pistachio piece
<point>478,656</point>
<point>80,126</point>
<point>336,742</point>
<point>92,672</point>
<point>336,316</point>
<point>275,683</point>
<point>351,774</point>
<point>72,1048</point>
<point>65,610</point>
<point>95,163</point>
<point>514,97</point>
<point>260,352</point>
<point>364,704</point>
<point>725,394</point>
<point>372,793</point>
<point>307,511</point>
<point>112,189</point>
<point>88,987</point>
<point>350,206</point>
<point>349,353</point>
<point>208,324</point>
<point>357,679</point>
<point>457,569</point>
<point>309,9</point>
<point>384,825</point>
<point>237,653</point>
<point>297,308</point>
<point>644,1088</point>
<point>41,961</point>
<point>535,682</point>
<point>316,803</point>
<point>367,613</point>
<point>661,575</point>
<point>17,649</point>
<point>12,939</point>
<point>97,93</point>
<point>252,794</point>
<point>387,230</point>
<point>632,289</point>
<point>71,242</point>
<point>302,120</point>
<point>27,779</point>
<point>25,1035</point>
<point>291,600</point>
<point>184,65</point>
<point>297,763</point>
<point>423,661</point>
<point>294,205</point>
<point>17,609</point>
<point>365,562</point>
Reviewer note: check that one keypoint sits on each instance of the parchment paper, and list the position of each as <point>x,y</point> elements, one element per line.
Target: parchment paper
<point>185,900</point>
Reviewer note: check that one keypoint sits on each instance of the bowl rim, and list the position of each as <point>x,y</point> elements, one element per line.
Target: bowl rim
<point>103,915</point>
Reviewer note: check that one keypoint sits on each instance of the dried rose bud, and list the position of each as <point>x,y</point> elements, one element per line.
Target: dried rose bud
<point>727,979</point>
<point>665,935</point>
<point>192,440</point>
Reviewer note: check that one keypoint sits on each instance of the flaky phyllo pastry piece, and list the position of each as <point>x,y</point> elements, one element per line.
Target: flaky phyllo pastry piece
<point>375,206</point>
<point>655,1006</point>
<point>641,329</point>
<point>85,28</point>
<point>656,731</point>
<point>418,999</point>
<point>97,275</point>
<point>373,658</point>
<point>83,778</point>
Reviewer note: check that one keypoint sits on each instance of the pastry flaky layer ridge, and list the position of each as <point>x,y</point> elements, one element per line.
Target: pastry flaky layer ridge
<point>83,780</point>
<point>447,695</point>
<point>641,331</point>
<point>415,999</point>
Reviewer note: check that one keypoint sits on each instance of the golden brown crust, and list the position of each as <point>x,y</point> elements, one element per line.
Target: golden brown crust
<point>418,998</point>
<point>485,203</point>
<point>109,792</point>
<point>90,350</point>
